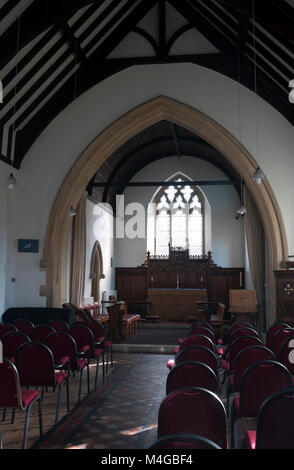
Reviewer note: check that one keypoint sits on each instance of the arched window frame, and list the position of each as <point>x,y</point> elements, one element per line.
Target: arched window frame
<point>157,199</point>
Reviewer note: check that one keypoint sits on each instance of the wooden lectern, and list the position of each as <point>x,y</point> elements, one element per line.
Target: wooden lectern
<point>243,302</point>
<point>115,324</point>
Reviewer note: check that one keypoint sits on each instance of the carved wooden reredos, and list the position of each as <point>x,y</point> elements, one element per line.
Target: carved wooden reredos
<point>179,269</point>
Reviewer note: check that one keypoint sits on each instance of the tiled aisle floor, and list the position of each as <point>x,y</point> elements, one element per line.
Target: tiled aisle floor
<point>122,414</point>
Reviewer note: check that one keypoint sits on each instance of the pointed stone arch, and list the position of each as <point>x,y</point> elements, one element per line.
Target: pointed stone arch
<point>119,132</point>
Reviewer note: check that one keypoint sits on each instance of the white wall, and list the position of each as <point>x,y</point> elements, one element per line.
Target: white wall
<point>52,155</point>
<point>227,234</point>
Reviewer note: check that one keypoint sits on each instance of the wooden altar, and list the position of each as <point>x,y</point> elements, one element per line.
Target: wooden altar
<point>177,269</point>
<point>175,304</point>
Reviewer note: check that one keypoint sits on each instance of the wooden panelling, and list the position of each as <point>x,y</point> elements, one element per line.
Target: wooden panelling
<point>285,295</point>
<point>131,283</point>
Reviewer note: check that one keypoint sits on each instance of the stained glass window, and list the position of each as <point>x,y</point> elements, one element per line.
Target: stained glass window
<point>179,219</point>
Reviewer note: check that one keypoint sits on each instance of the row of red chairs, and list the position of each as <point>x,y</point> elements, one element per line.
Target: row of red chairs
<point>192,415</point>
<point>262,384</point>
<point>47,362</point>
<point>252,370</point>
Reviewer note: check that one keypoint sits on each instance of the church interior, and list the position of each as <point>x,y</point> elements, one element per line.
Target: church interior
<point>146,225</point>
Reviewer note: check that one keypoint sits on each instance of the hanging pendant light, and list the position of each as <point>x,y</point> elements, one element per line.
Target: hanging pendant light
<point>72,212</point>
<point>258,176</point>
<point>11,182</point>
<point>242,209</point>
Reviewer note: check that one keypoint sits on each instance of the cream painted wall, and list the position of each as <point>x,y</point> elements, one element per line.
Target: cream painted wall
<point>227,242</point>
<point>52,155</point>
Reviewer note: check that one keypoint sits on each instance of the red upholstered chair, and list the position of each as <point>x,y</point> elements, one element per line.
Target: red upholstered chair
<point>193,410</point>
<point>240,324</point>
<point>24,325</point>
<point>279,338</point>
<point>237,345</point>
<point>36,368</point>
<point>243,331</point>
<point>191,374</point>
<point>202,330</point>
<point>11,342</point>
<point>85,342</point>
<point>275,423</point>
<point>59,325</point>
<point>258,382</point>
<point>205,324</point>
<point>62,344</point>
<point>244,359</point>
<point>100,339</point>
<point>195,339</point>
<point>6,328</point>
<point>198,354</point>
<point>12,396</point>
<point>272,330</point>
<point>240,329</point>
<point>40,332</point>
<point>184,441</point>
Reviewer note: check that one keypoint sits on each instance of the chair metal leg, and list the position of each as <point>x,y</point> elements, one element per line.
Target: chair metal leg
<point>96,374</point>
<point>58,403</point>
<point>12,415</point>
<point>26,426</point>
<point>67,395</point>
<point>80,385</point>
<point>40,418</point>
<point>88,378</point>
<point>236,434</point>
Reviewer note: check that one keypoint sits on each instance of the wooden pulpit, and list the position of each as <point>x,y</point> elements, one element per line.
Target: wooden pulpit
<point>115,323</point>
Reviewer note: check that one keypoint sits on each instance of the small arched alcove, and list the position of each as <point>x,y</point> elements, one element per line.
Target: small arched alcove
<point>96,271</point>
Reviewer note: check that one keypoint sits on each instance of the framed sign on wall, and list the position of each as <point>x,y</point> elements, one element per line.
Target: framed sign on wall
<point>28,246</point>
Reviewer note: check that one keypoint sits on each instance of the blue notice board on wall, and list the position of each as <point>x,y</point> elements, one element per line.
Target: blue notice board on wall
<point>28,246</point>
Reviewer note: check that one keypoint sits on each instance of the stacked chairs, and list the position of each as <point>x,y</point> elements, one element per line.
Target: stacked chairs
<point>14,397</point>
<point>258,382</point>
<point>274,424</point>
<point>193,410</point>
<point>36,367</point>
<point>62,344</point>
